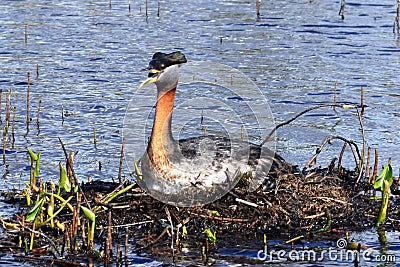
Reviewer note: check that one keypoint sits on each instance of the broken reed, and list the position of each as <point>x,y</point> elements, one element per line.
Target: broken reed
<point>28,97</point>
<point>1,97</point>
<point>26,34</point>
<point>396,24</point>
<point>7,124</point>
<point>38,115</point>
<point>342,6</point>
<point>258,7</point>
<point>13,127</point>
<point>121,160</point>
<point>147,10</point>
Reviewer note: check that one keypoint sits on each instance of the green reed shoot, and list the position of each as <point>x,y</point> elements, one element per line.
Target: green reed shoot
<point>383,182</point>
<point>35,167</point>
<point>91,226</point>
<point>64,182</point>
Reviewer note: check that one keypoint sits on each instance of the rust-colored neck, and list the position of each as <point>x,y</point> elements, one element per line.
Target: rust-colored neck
<point>161,140</point>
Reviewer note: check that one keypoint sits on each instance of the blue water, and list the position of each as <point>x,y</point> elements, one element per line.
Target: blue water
<point>89,57</point>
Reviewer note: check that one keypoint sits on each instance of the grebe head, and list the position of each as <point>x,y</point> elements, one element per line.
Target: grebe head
<point>163,70</point>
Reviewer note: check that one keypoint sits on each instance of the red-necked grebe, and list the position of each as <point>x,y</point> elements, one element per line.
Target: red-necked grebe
<point>195,170</point>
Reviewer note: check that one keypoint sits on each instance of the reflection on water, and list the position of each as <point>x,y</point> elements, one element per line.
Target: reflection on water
<point>89,56</point>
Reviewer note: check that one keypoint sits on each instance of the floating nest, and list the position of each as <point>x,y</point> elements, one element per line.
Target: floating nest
<point>302,203</point>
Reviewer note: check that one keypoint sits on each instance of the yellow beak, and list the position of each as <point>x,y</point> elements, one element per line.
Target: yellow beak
<point>152,79</point>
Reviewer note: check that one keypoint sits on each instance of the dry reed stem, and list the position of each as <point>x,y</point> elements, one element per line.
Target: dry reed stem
<point>396,24</point>
<point>367,166</point>
<point>258,7</point>
<point>13,127</point>
<point>38,113</point>
<point>28,99</point>
<point>4,147</point>
<point>26,34</point>
<point>8,105</point>
<point>1,98</point>
<point>108,244</point>
<point>121,160</point>
<point>126,242</point>
<point>364,144</point>
<point>342,6</point>
<point>362,100</point>
<point>147,10</point>
<point>375,173</point>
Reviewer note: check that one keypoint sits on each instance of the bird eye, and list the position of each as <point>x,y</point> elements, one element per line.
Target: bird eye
<point>162,66</point>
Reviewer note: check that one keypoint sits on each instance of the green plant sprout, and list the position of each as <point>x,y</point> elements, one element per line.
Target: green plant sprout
<point>383,183</point>
<point>92,218</point>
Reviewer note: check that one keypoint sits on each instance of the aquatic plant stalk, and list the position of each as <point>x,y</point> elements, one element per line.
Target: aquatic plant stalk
<point>28,99</point>
<point>26,33</point>
<point>13,127</point>
<point>342,6</point>
<point>90,215</point>
<point>258,7</point>
<point>1,99</point>
<point>383,182</point>
<point>121,160</point>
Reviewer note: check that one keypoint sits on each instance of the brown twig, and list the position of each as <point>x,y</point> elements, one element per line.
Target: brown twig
<point>341,155</point>
<point>266,139</point>
<point>327,140</point>
<point>218,218</point>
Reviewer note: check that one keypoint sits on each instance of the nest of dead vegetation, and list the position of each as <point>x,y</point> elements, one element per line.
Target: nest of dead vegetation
<point>301,203</point>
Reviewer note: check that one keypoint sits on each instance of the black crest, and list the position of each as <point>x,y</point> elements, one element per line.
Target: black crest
<point>161,60</point>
